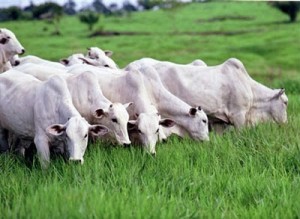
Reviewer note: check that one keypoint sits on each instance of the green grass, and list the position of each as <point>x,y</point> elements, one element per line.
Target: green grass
<point>252,173</point>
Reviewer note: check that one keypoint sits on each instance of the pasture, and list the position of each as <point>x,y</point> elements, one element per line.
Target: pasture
<point>251,173</point>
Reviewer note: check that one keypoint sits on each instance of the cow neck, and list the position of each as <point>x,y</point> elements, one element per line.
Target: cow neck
<point>260,108</point>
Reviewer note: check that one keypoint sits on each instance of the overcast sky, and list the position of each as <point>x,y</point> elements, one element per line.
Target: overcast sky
<point>80,3</point>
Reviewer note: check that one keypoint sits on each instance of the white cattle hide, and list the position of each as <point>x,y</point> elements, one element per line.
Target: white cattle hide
<point>43,112</point>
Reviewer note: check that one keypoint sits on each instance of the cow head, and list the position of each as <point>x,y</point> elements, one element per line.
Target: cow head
<point>9,45</point>
<point>99,58</point>
<point>197,124</point>
<point>147,128</point>
<point>73,59</point>
<point>116,117</point>
<point>278,106</point>
<point>74,133</point>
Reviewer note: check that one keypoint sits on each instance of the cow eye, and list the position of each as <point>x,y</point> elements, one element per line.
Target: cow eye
<point>85,135</point>
<point>106,66</point>
<point>285,103</point>
<point>140,131</point>
<point>204,121</point>
<point>114,120</point>
<point>157,131</point>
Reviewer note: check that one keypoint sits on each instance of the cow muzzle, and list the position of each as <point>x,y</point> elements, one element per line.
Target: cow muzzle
<point>76,160</point>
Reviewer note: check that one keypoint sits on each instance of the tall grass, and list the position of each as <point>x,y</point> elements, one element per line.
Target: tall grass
<point>251,173</point>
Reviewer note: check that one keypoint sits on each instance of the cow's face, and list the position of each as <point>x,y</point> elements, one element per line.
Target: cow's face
<point>116,118</point>
<point>75,135</point>
<point>198,124</point>
<point>9,43</point>
<point>100,58</point>
<point>147,127</point>
<point>279,104</point>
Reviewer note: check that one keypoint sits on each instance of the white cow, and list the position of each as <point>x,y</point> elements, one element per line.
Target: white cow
<point>9,46</point>
<point>191,121</point>
<point>43,111</point>
<point>17,61</point>
<point>90,102</point>
<point>41,72</point>
<point>100,58</point>
<point>226,92</point>
<point>88,98</point>
<point>129,87</point>
<point>76,58</point>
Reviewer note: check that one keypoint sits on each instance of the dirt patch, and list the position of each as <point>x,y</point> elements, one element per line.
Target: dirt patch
<point>117,33</point>
<point>227,17</point>
<point>221,33</point>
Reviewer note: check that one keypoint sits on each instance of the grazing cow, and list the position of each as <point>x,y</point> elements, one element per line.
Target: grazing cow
<point>90,102</point>
<point>191,121</point>
<point>99,58</point>
<point>88,98</point>
<point>73,59</point>
<point>43,112</point>
<point>41,72</point>
<point>16,61</point>
<point>226,92</point>
<point>120,86</point>
<point>9,46</point>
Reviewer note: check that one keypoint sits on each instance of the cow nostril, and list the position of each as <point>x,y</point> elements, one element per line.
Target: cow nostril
<point>153,154</point>
<point>22,51</point>
<point>126,145</point>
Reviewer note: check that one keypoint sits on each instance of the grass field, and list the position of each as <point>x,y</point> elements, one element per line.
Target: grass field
<point>253,173</point>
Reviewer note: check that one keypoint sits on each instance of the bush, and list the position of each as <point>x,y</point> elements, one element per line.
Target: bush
<point>90,18</point>
<point>11,13</point>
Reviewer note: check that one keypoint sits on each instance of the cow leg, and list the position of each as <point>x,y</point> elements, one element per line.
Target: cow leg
<point>3,140</point>
<point>239,119</point>
<point>43,150</point>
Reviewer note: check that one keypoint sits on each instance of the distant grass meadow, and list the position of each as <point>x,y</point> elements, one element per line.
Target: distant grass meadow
<point>252,173</point>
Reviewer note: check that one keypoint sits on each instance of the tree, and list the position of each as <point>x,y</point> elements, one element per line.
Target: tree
<point>11,13</point>
<point>69,7</point>
<point>149,4</point>
<point>90,18</point>
<point>100,7</point>
<point>51,11</point>
<point>290,8</point>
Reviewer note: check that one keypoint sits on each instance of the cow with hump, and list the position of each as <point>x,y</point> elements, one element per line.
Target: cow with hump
<point>43,112</point>
<point>145,124</point>
<point>226,92</point>
<point>9,46</point>
<point>88,99</point>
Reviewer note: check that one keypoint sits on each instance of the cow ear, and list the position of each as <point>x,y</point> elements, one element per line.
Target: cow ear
<point>3,40</point>
<point>108,53</point>
<point>131,125</point>
<point>64,61</point>
<point>193,111</point>
<point>279,93</point>
<point>98,130</point>
<point>56,130</point>
<point>168,123</point>
<point>100,113</point>
<point>126,105</point>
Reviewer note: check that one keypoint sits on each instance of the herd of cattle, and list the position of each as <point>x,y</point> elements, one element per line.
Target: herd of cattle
<point>57,106</point>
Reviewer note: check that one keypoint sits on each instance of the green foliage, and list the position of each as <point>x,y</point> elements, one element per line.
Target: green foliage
<point>46,10</point>
<point>251,173</point>
<point>90,18</point>
<point>290,8</point>
<point>11,13</point>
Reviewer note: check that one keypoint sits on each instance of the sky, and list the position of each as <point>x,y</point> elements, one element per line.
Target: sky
<point>80,3</point>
